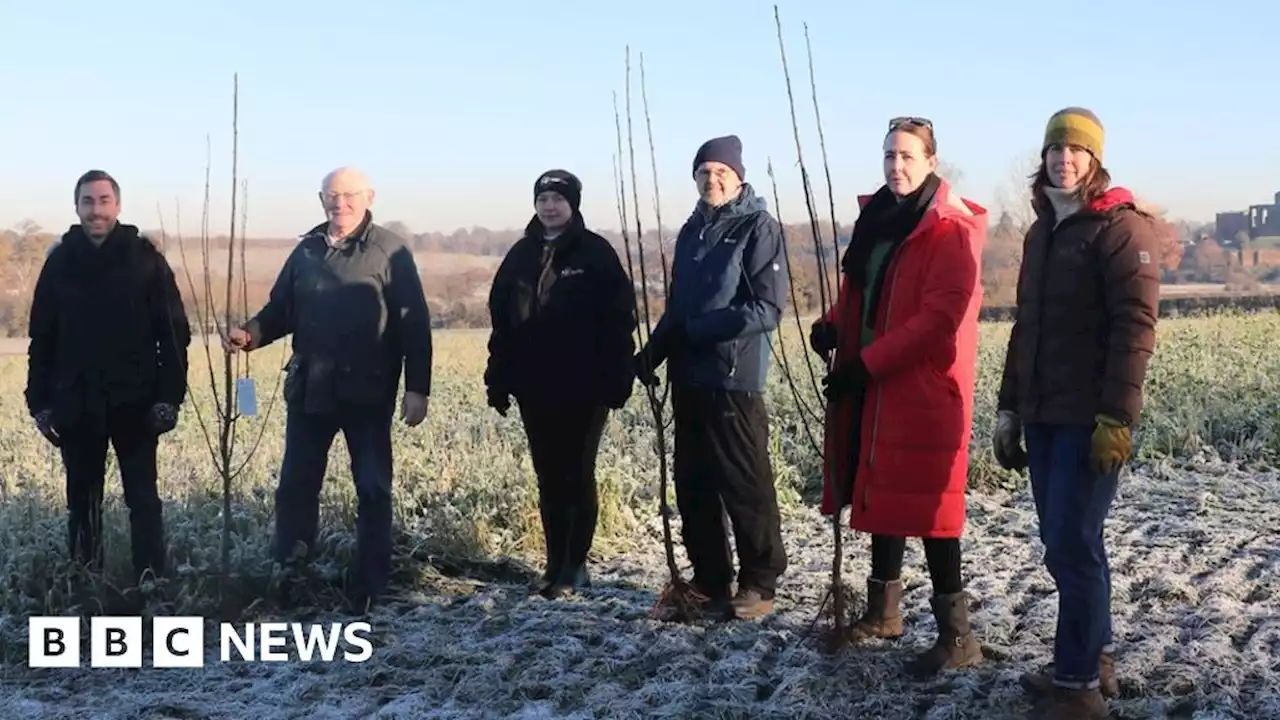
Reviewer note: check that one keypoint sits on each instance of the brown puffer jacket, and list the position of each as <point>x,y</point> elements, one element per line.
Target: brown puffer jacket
<point>1084,332</point>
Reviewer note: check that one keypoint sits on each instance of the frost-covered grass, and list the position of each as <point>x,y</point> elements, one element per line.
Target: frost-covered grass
<point>1193,541</point>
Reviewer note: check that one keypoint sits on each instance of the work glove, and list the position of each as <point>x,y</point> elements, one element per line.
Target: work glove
<point>499,400</point>
<point>845,380</point>
<point>823,338</point>
<point>164,417</point>
<point>1112,444</point>
<point>44,423</point>
<point>1006,443</point>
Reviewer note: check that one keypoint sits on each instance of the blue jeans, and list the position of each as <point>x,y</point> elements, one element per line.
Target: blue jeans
<point>308,437</point>
<point>1072,502</point>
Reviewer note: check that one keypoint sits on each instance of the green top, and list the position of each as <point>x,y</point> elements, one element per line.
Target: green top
<point>875,265</point>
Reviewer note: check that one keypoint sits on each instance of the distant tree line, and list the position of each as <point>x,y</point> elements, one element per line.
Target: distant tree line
<point>1188,254</point>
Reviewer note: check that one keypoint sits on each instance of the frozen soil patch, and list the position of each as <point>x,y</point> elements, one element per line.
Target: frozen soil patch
<point>1195,556</point>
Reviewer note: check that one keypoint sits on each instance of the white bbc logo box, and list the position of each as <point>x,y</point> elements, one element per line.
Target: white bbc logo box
<point>115,642</point>
<point>178,642</point>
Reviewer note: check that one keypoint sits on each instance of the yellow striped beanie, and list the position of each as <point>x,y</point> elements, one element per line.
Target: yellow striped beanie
<point>1075,126</point>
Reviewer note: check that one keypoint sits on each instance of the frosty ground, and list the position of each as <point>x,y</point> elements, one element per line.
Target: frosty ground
<point>1195,555</point>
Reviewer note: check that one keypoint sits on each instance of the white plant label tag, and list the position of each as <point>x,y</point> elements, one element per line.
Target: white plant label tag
<point>246,397</point>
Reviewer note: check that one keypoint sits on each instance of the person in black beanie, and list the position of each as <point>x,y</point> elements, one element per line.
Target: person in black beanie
<point>562,313</point>
<point>729,281</point>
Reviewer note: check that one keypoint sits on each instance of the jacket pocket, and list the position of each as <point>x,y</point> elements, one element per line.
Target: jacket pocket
<point>923,411</point>
<point>726,358</point>
<point>295,380</point>
<point>361,383</point>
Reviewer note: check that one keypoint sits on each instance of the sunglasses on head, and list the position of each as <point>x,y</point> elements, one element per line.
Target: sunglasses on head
<point>899,122</point>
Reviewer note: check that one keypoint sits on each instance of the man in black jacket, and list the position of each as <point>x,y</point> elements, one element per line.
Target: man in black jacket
<point>562,312</point>
<point>107,363</point>
<point>351,297</point>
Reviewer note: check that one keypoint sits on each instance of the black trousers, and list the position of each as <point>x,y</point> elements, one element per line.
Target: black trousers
<point>941,554</point>
<point>84,454</point>
<point>722,468</point>
<point>308,438</point>
<point>563,442</point>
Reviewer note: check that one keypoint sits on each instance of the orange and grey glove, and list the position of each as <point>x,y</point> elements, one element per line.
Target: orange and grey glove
<point>1112,444</point>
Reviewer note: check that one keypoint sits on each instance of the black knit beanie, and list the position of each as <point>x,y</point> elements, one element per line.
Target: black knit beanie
<point>727,150</point>
<point>563,182</point>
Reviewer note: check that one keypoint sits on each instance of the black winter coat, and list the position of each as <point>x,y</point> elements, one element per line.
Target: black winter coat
<point>564,335</point>
<point>108,330</point>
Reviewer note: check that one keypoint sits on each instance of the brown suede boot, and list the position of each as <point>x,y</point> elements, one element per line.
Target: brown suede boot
<point>1041,683</point>
<point>883,616</point>
<point>751,604</point>
<point>1110,686</point>
<point>1073,704</point>
<point>956,646</point>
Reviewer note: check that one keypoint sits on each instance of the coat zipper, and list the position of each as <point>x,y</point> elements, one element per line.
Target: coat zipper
<point>1045,259</point>
<point>891,280</point>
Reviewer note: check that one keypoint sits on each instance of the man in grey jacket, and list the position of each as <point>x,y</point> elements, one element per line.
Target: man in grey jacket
<point>350,295</point>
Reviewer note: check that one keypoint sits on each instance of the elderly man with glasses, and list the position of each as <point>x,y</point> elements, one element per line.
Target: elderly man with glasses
<point>350,295</point>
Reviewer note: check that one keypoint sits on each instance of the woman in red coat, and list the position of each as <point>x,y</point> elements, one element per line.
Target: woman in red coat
<point>904,331</point>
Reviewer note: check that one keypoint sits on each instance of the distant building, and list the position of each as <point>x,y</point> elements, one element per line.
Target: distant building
<point>1229,225</point>
<point>1258,221</point>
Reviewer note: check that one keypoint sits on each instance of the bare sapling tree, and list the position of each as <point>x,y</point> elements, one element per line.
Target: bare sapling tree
<point>1013,195</point>
<point>227,411</point>
<point>840,593</point>
<point>679,600</point>
<point>807,413</point>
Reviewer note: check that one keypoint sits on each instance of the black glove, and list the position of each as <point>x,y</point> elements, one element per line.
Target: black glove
<point>617,396</point>
<point>644,368</point>
<point>45,424</point>
<point>1006,442</point>
<point>500,400</point>
<point>823,338</point>
<point>164,417</point>
<point>843,381</point>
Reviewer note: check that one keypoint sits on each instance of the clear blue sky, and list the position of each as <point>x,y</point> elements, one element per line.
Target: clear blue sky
<point>453,108</point>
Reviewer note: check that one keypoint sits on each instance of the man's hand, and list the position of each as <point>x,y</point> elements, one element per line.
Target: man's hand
<point>164,417</point>
<point>644,368</point>
<point>617,399</point>
<point>237,339</point>
<point>1006,443</point>
<point>1111,445</point>
<point>44,423</point>
<point>499,401</point>
<point>413,409</point>
<point>823,338</point>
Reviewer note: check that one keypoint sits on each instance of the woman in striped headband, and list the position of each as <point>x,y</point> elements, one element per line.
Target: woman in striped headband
<point>1084,332</point>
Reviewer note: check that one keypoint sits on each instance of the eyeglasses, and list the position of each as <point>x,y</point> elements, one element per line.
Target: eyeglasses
<point>899,122</point>
<point>333,197</point>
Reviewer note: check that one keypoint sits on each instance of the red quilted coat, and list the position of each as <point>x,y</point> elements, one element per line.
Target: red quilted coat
<point>916,418</point>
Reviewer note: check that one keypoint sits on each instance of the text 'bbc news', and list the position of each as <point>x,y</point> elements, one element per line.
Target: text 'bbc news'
<point>179,642</point>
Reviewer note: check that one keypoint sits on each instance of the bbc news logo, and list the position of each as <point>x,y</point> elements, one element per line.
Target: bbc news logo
<point>178,642</point>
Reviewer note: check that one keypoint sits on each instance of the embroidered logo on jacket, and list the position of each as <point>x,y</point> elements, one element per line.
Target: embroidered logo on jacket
<point>569,272</point>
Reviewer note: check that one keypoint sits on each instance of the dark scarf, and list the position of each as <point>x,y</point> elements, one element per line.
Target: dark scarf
<point>885,219</point>
<point>546,265</point>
